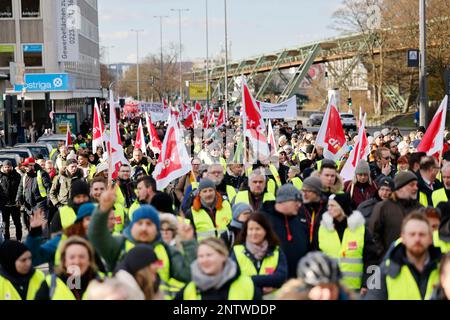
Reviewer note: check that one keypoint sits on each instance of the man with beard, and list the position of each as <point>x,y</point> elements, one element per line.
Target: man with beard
<point>33,188</point>
<point>146,190</point>
<point>140,161</point>
<point>62,183</point>
<point>387,216</point>
<point>9,184</point>
<point>410,270</point>
<point>125,193</point>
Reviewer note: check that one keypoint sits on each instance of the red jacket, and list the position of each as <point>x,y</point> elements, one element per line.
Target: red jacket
<point>361,192</point>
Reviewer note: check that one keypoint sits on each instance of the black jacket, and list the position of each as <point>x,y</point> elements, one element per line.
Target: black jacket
<point>367,206</point>
<point>9,184</point>
<point>292,233</point>
<point>233,181</point>
<point>376,174</point>
<point>306,214</point>
<point>423,188</point>
<point>31,197</point>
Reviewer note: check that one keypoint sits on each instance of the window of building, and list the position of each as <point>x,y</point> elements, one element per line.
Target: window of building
<point>6,55</point>
<point>32,55</point>
<point>31,8</point>
<point>6,10</point>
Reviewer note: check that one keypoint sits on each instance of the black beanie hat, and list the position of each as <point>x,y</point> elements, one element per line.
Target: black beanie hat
<point>137,258</point>
<point>10,251</point>
<point>79,187</point>
<point>162,202</point>
<point>344,201</point>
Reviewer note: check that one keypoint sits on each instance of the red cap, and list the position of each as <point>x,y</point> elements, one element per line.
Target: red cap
<point>29,161</point>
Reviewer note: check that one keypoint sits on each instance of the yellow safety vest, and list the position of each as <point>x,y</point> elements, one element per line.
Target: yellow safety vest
<point>119,215</point>
<point>319,164</point>
<point>298,183</point>
<point>438,243</point>
<point>404,286</point>
<point>52,153</point>
<point>241,289</point>
<point>133,208</point>
<point>92,171</point>
<point>120,200</point>
<point>59,290</point>
<point>40,183</point>
<point>349,253</point>
<point>8,292</point>
<point>67,216</point>
<point>243,197</point>
<point>269,264</point>
<point>58,250</point>
<point>423,199</point>
<point>169,286</point>
<point>439,196</point>
<point>231,192</point>
<point>206,228</point>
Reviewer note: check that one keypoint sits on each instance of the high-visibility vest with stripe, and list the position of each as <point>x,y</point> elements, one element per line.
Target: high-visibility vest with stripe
<point>206,228</point>
<point>243,197</point>
<point>120,200</point>
<point>441,244</point>
<point>423,199</point>
<point>40,183</point>
<point>67,216</point>
<point>268,266</point>
<point>404,286</point>
<point>9,292</point>
<point>349,252</point>
<point>59,290</point>
<point>241,289</point>
<point>298,183</point>
<point>439,196</point>
<point>169,286</point>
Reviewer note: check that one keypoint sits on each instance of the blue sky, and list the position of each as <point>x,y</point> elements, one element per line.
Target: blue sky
<point>254,26</point>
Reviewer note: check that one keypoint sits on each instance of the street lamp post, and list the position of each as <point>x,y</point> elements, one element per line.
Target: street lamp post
<point>207,54</point>
<point>226,61</point>
<point>137,63</point>
<point>180,56</point>
<point>161,83</point>
<point>423,89</point>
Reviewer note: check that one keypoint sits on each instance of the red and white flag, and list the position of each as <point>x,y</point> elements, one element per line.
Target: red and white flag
<point>221,118</point>
<point>271,140</point>
<point>68,136</point>
<point>360,152</point>
<point>115,149</point>
<point>253,123</point>
<point>98,129</point>
<point>206,118</point>
<point>140,139</point>
<point>190,120</point>
<point>174,161</point>
<point>433,141</point>
<point>186,111</point>
<point>155,143</point>
<point>331,136</point>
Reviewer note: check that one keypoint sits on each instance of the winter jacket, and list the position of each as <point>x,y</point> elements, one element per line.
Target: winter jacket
<point>30,196</point>
<point>306,213</point>
<point>386,222</point>
<point>230,236</point>
<point>361,192</point>
<point>292,233</point>
<point>236,182</point>
<point>111,248</point>
<point>9,184</point>
<point>424,189</point>
<point>62,184</point>
<point>376,174</point>
<point>338,186</point>
<point>182,186</point>
<point>392,266</point>
<point>274,280</point>
<point>366,208</point>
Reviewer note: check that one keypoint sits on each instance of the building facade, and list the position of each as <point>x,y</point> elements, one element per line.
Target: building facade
<point>58,43</point>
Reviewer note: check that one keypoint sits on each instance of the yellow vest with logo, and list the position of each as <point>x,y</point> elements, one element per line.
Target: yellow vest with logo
<point>8,292</point>
<point>119,218</point>
<point>268,266</point>
<point>169,286</point>
<point>243,197</point>
<point>404,286</point>
<point>67,216</point>
<point>206,228</point>
<point>437,242</point>
<point>298,183</point>
<point>439,196</point>
<point>241,289</point>
<point>349,253</point>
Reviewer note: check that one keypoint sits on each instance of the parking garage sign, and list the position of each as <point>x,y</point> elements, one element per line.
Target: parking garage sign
<point>45,82</point>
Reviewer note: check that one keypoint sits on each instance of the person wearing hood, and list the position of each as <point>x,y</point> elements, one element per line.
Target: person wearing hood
<point>361,188</point>
<point>241,213</point>
<point>67,214</point>
<point>441,237</point>
<point>144,228</point>
<point>62,184</point>
<point>258,254</point>
<point>139,270</point>
<point>33,188</point>
<point>410,269</point>
<point>386,220</point>
<point>384,192</point>
<point>18,279</point>
<point>9,184</point>
<point>71,279</point>
<point>343,235</point>
<point>215,276</point>
<point>169,228</point>
<point>210,213</point>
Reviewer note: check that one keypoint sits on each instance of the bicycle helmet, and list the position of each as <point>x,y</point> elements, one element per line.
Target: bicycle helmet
<point>316,268</point>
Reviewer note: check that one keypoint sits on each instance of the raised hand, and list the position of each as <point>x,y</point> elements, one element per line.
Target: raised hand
<point>108,198</point>
<point>37,220</point>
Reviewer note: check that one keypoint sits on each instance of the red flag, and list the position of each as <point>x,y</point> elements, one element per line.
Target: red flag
<point>433,141</point>
<point>115,149</point>
<point>271,140</point>
<point>68,136</point>
<point>155,143</point>
<point>331,135</point>
<point>206,118</point>
<point>140,139</point>
<point>190,120</point>
<point>221,118</point>
<point>253,124</point>
<point>174,161</point>
<point>98,129</point>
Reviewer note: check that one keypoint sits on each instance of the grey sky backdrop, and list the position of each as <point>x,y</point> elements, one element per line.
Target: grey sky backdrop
<point>254,26</point>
